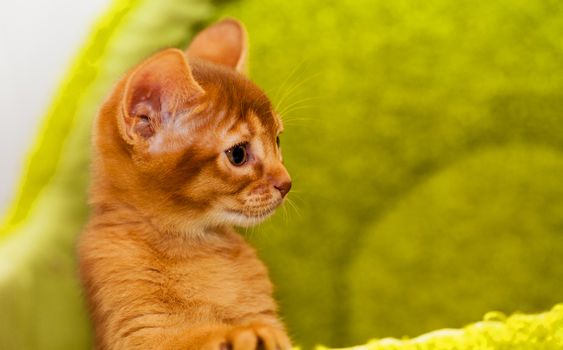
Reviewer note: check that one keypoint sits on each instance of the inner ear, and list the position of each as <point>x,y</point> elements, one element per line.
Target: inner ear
<point>224,43</point>
<point>155,92</point>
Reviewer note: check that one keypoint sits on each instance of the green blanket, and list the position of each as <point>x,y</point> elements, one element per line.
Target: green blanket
<point>424,140</point>
<point>518,332</point>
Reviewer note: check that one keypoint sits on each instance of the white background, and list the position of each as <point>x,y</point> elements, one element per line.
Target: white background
<point>38,40</point>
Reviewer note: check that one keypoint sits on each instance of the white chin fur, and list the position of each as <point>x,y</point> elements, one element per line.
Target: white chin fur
<point>241,220</point>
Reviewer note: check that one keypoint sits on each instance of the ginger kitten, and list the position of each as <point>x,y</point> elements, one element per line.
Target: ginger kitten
<point>185,148</point>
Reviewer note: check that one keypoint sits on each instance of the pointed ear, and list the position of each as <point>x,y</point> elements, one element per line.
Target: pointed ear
<point>155,92</point>
<point>224,43</point>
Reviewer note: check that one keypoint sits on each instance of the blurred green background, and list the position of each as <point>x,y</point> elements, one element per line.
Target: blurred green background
<point>424,139</point>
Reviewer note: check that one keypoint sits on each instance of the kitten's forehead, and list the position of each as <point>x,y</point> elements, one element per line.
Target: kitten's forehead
<point>263,124</point>
<point>248,127</point>
<point>231,92</point>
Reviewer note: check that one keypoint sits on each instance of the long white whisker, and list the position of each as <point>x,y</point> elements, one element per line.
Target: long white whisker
<point>291,90</point>
<point>295,69</point>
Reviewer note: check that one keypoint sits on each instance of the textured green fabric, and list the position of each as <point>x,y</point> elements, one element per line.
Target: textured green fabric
<point>424,140</point>
<point>518,332</point>
<point>40,301</point>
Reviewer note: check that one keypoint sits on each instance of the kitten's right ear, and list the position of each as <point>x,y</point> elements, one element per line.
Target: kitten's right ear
<point>155,92</point>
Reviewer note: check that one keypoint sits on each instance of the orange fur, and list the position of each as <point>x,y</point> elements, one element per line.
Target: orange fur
<point>161,265</point>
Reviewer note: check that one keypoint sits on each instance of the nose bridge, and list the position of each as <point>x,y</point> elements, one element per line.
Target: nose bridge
<point>278,172</point>
<point>279,178</point>
<point>274,170</point>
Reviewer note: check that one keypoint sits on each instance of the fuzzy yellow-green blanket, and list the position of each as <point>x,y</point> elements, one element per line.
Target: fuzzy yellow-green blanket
<point>517,332</point>
<point>425,142</point>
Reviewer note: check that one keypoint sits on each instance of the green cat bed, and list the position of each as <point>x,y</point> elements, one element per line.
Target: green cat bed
<point>425,144</point>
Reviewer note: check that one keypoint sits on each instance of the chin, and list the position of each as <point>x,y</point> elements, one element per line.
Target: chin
<point>240,219</point>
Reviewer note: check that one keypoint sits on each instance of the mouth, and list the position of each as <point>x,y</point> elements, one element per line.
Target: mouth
<point>253,215</point>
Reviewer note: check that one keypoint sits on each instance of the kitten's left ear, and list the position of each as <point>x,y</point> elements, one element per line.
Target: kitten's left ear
<point>224,43</point>
<point>154,93</point>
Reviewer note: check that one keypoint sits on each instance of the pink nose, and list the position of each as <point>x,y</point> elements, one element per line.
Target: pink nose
<point>280,179</point>
<point>283,187</point>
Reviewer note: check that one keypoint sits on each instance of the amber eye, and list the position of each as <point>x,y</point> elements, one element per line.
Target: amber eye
<point>278,141</point>
<point>237,154</point>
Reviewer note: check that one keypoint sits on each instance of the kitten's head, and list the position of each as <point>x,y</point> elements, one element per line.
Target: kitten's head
<point>188,139</point>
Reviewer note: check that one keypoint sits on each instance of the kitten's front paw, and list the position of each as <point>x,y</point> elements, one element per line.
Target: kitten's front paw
<point>252,337</point>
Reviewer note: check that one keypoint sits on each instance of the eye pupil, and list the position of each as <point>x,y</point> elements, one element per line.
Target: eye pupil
<point>237,154</point>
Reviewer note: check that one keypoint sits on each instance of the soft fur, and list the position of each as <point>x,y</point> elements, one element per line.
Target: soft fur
<point>161,265</point>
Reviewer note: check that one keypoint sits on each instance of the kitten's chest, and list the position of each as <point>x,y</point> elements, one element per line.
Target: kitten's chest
<point>222,279</point>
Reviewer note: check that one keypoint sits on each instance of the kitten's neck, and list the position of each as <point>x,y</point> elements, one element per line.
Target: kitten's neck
<point>131,199</point>
<point>162,235</point>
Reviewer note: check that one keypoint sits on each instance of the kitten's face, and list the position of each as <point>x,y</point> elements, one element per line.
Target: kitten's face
<point>241,172</point>
<point>231,161</point>
<point>202,140</point>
